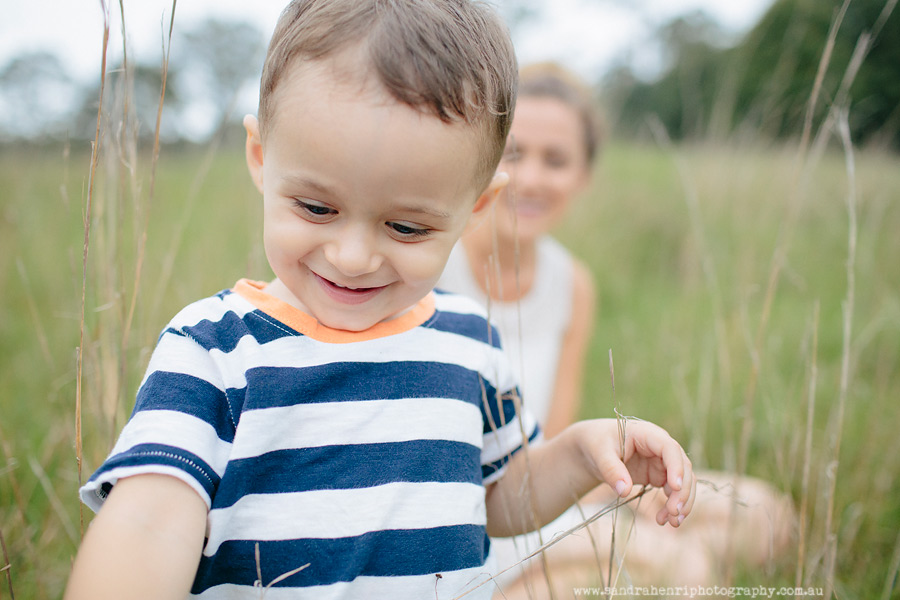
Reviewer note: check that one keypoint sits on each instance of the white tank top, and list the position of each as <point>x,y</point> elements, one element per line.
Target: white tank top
<point>542,316</point>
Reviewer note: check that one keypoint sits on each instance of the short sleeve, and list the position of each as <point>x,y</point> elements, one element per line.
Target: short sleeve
<point>182,424</point>
<point>508,426</point>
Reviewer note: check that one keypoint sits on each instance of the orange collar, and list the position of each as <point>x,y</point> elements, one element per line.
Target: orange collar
<point>293,317</point>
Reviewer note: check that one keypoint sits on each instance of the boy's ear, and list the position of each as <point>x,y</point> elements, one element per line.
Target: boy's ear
<point>254,151</point>
<point>487,197</point>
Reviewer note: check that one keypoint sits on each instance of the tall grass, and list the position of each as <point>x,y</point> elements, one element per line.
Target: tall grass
<point>679,238</point>
<point>678,367</point>
<point>672,365</point>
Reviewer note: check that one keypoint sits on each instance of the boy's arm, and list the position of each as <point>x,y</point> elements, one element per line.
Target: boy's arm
<point>145,542</point>
<point>540,485</point>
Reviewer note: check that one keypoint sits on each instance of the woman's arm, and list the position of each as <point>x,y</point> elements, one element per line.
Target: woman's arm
<point>570,370</point>
<point>145,543</point>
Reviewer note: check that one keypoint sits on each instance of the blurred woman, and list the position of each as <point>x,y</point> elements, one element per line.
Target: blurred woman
<point>543,302</point>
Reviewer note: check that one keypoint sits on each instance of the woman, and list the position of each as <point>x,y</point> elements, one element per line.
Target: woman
<point>542,300</point>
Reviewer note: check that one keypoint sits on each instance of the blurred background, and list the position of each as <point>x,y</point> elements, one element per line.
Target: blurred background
<point>741,227</point>
<point>704,67</point>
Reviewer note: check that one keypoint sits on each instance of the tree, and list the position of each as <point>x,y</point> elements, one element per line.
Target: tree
<point>684,96</point>
<point>787,46</point>
<point>222,57</point>
<point>131,103</point>
<point>35,91</point>
<point>764,83</point>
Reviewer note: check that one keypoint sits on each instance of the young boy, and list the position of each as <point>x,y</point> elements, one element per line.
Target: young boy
<point>344,431</point>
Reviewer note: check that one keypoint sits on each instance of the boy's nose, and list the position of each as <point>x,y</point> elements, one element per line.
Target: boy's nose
<point>353,253</point>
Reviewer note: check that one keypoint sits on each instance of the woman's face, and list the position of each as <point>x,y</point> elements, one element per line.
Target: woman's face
<point>546,160</point>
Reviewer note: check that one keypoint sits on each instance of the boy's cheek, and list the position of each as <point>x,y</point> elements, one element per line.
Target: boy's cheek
<point>428,265</point>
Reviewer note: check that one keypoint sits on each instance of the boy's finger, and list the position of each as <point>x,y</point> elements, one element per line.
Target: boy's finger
<point>614,472</point>
<point>681,501</point>
<point>677,466</point>
<point>657,442</point>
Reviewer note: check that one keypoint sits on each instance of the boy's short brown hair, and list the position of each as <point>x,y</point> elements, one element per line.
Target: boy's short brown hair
<point>450,58</point>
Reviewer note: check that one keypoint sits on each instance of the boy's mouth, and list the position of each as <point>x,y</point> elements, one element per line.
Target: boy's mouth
<point>346,294</point>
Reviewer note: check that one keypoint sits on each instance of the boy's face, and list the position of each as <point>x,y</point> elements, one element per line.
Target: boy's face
<point>364,197</point>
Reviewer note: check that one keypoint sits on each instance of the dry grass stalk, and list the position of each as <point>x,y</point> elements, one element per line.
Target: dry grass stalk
<point>179,227</point>
<point>494,267</point>
<point>265,588</point>
<point>95,157</point>
<point>804,157</point>
<point>142,246</point>
<point>692,202</point>
<point>807,449</point>
<point>620,423</point>
<point>7,568</point>
<point>39,330</point>
<point>21,504</point>
<point>809,158</point>
<point>53,497</point>
<point>561,536</point>
<point>849,303</point>
<point>820,76</point>
<point>891,578</point>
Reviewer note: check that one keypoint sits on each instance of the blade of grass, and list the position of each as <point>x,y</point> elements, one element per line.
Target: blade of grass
<point>561,536</point>
<point>79,355</point>
<point>807,449</point>
<point>39,330</point>
<point>53,497</point>
<point>142,245</point>
<point>820,75</point>
<point>849,304</point>
<point>7,568</point>
<point>891,579</point>
<point>620,425</point>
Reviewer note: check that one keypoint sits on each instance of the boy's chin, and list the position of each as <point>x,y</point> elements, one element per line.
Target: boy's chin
<point>340,325</point>
<point>356,323</point>
<point>351,323</point>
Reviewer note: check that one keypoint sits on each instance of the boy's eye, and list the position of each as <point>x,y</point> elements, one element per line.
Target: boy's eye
<point>407,231</point>
<point>314,209</point>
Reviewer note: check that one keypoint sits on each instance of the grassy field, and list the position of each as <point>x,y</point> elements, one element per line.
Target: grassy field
<point>723,281</point>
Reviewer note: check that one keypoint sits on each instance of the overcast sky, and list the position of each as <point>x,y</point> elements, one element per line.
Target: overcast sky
<point>587,35</point>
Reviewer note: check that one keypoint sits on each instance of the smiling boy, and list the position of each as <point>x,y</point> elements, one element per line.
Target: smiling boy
<point>362,199</point>
<point>343,431</point>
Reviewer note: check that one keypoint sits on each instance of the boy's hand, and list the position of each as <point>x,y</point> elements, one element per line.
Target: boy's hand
<point>651,456</point>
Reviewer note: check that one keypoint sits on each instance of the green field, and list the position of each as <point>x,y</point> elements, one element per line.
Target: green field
<point>714,336</point>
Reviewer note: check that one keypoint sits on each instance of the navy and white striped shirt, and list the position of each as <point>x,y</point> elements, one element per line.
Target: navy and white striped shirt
<point>363,455</point>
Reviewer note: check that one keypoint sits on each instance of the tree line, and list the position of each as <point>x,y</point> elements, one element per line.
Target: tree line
<point>210,65</point>
<point>760,86</point>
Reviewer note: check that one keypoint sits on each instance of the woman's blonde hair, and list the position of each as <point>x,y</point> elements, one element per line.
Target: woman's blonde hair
<point>552,80</point>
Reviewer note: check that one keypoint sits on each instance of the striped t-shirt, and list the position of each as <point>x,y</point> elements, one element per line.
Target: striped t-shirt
<point>362,455</point>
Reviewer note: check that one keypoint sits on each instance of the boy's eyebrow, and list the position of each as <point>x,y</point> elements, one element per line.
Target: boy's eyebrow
<point>311,183</point>
<point>427,210</point>
<point>325,190</point>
